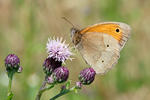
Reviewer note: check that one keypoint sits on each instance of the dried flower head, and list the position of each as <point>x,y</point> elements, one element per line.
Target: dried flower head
<point>12,62</point>
<point>87,76</point>
<point>60,74</point>
<point>50,65</point>
<point>58,50</point>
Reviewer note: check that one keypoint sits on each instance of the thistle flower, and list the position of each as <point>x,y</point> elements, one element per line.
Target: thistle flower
<point>60,74</point>
<point>12,62</point>
<point>58,50</point>
<point>50,65</point>
<point>87,76</point>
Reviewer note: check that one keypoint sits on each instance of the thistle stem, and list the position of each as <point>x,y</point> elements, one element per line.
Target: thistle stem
<point>63,93</point>
<point>43,89</point>
<point>10,94</point>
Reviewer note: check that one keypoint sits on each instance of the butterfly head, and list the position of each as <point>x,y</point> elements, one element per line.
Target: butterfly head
<point>75,35</point>
<point>74,31</point>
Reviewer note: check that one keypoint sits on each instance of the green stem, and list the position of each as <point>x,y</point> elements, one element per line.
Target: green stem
<point>43,89</point>
<point>10,94</point>
<point>63,93</point>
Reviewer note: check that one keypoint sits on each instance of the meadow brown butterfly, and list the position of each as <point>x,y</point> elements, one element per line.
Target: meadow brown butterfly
<point>100,44</point>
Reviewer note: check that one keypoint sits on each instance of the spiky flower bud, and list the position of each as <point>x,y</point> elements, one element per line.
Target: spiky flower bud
<point>87,76</point>
<point>60,74</point>
<point>12,62</point>
<point>50,65</point>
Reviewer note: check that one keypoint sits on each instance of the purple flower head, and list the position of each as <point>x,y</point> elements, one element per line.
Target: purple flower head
<point>60,74</point>
<point>58,50</point>
<point>50,65</point>
<point>12,62</point>
<point>87,76</point>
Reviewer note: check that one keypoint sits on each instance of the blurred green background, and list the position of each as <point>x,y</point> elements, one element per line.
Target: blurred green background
<point>25,26</point>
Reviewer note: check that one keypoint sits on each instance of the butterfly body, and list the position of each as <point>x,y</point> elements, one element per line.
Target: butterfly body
<point>76,36</point>
<point>100,44</point>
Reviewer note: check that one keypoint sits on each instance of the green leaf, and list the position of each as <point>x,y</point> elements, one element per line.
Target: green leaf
<point>75,90</point>
<point>68,84</point>
<point>10,96</point>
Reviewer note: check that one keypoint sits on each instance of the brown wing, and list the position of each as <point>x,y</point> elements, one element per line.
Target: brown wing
<point>100,51</point>
<point>100,44</point>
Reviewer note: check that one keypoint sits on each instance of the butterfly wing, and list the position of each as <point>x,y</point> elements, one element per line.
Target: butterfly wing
<point>100,45</point>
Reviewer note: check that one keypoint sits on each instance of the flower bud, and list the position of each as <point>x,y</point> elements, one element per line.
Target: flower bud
<point>50,65</point>
<point>78,85</point>
<point>63,88</point>
<point>12,62</point>
<point>87,76</point>
<point>50,80</point>
<point>20,69</point>
<point>60,74</point>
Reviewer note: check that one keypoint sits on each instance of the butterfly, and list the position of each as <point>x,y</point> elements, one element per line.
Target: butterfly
<point>100,44</point>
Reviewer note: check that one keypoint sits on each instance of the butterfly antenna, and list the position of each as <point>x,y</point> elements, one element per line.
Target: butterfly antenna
<point>68,21</point>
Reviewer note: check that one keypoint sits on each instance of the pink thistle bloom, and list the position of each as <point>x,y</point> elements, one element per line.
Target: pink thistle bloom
<point>58,50</point>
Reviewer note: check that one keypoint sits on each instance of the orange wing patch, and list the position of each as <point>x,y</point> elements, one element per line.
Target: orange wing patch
<point>112,29</point>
